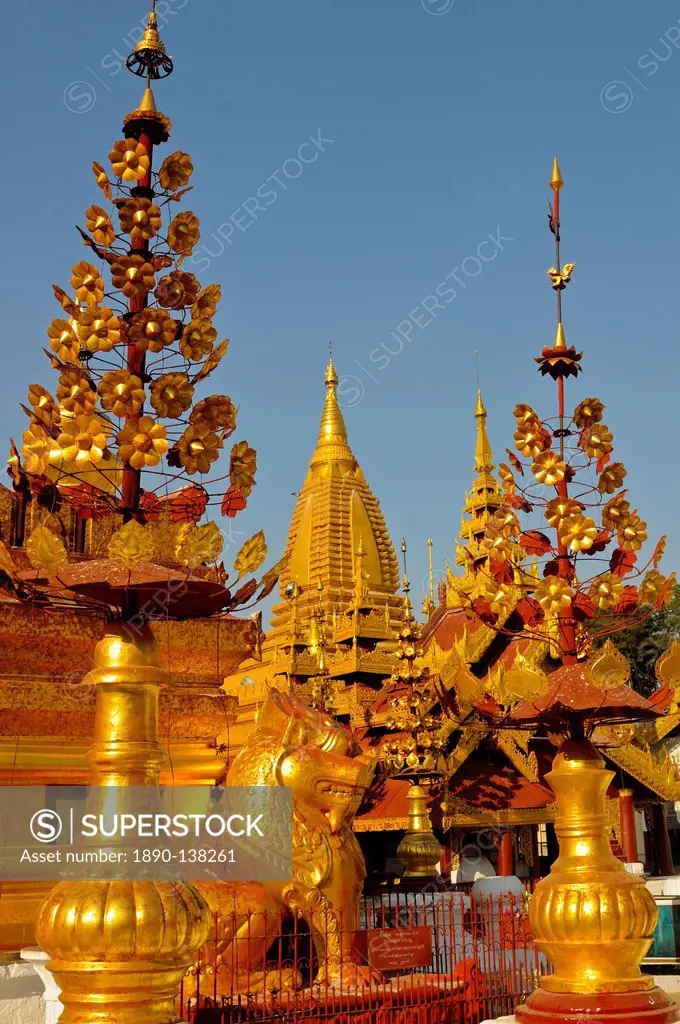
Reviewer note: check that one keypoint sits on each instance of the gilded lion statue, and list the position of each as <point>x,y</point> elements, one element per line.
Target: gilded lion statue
<point>294,745</point>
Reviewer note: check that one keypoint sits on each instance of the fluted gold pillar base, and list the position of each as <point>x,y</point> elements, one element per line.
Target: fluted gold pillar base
<point>118,993</point>
<point>592,919</point>
<point>420,850</point>
<point>651,1007</point>
<point>119,949</point>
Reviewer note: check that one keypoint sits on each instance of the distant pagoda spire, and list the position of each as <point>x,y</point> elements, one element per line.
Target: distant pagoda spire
<point>482,502</point>
<point>483,452</point>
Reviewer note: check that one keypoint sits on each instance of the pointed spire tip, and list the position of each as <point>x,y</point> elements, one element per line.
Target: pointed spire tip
<point>556,181</point>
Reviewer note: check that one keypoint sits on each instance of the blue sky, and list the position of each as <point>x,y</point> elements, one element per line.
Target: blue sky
<point>444,119</point>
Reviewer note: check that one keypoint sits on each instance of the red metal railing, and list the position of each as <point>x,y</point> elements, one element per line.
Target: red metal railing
<point>432,958</point>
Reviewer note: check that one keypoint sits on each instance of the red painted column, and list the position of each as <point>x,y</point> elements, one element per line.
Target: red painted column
<point>662,844</point>
<point>627,817</point>
<point>535,869</point>
<point>506,853</point>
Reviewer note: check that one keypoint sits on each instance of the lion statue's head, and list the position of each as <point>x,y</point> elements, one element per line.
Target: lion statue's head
<point>297,746</point>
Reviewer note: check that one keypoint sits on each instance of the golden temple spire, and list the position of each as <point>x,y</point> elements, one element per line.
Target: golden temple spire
<point>337,516</point>
<point>332,443</point>
<point>481,504</point>
<point>483,453</point>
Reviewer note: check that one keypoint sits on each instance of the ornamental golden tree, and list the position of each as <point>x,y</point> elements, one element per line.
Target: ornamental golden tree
<point>585,536</point>
<point>127,432</point>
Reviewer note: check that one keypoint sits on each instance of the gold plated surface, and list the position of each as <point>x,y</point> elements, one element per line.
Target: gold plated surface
<point>590,917</point>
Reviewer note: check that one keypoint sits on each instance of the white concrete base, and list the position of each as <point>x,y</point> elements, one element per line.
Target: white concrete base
<point>666,886</point>
<point>635,867</point>
<point>669,983</point>
<point>39,959</point>
<point>499,885</point>
<point>21,992</point>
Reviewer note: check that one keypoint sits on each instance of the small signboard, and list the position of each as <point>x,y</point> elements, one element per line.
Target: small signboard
<point>394,949</point>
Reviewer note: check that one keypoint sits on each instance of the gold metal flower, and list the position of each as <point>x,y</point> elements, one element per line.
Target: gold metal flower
<point>597,441</point>
<point>505,522</point>
<point>129,159</point>
<point>611,478</point>
<point>99,329</point>
<point>524,413</point>
<point>578,532</point>
<point>205,305</point>
<point>652,587</point>
<point>198,338</point>
<point>616,513</point>
<point>171,395</point>
<point>43,406</point>
<point>63,340</point>
<point>75,393</point>
<point>499,597</point>
<point>175,170</point>
<point>217,412</point>
<point>198,448</point>
<point>548,468</point>
<point>495,545</point>
<point>242,465</point>
<point>99,225</point>
<point>82,440</point>
<point>530,438</point>
<point>121,393</point>
<point>36,448</point>
<point>102,179</point>
<point>177,289</point>
<point>142,442</point>
<point>606,591</point>
<point>133,275</point>
<point>559,508</point>
<point>633,533</point>
<point>553,594</point>
<point>588,412</point>
<point>139,218</point>
<point>152,329</point>
<point>88,283</point>
<point>184,232</point>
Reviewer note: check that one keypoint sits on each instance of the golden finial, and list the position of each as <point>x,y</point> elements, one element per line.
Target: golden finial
<point>483,452</point>
<point>332,443</point>
<point>429,553</point>
<point>556,181</point>
<point>149,59</point>
<point>148,101</point>
<point>560,339</point>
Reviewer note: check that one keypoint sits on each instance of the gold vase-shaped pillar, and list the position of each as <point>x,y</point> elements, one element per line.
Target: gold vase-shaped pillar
<point>592,919</point>
<point>119,949</point>
<point>419,849</point>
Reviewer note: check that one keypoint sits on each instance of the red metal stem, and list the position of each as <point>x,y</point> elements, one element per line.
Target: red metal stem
<point>135,359</point>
